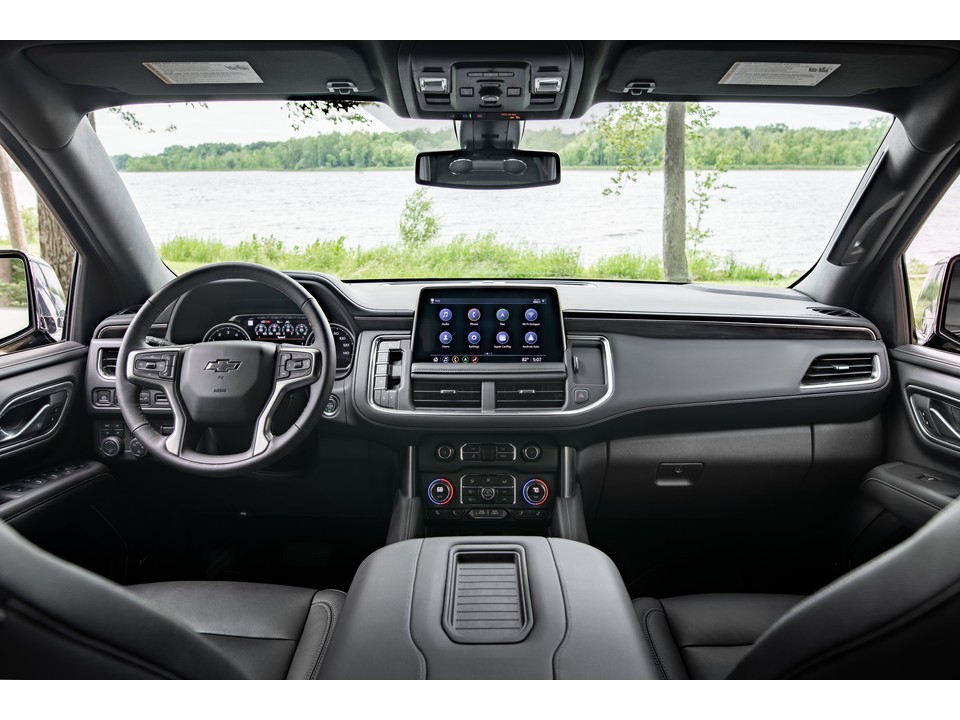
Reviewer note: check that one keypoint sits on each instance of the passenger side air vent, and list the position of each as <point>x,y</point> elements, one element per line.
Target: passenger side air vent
<point>447,394</point>
<point>108,362</point>
<point>841,369</point>
<point>835,312</point>
<point>530,394</point>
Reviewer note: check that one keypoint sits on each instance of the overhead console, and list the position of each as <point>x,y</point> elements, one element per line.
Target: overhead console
<point>490,81</point>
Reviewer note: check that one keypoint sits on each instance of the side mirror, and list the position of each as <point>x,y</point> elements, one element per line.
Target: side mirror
<point>32,303</point>
<point>937,314</point>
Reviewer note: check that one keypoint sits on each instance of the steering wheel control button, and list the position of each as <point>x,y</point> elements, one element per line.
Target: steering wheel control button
<point>535,492</point>
<point>153,365</point>
<point>440,491</point>
<point>473,314</point>
<point>503,314</point>
<point>581,395</point>
<point>531,452</point>
<point>445,452</point>
<point>137,448</point>
<point>531,315</point>
<point>446,315</point>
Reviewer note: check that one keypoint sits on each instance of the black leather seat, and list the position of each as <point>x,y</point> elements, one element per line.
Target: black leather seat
<point>59,621</point>
<point>897,616</point>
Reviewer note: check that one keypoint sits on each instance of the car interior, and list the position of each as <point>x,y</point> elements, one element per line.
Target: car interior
<point>640,481</point>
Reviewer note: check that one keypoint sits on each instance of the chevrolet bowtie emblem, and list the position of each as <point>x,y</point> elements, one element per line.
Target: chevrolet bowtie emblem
<point>222,366</point>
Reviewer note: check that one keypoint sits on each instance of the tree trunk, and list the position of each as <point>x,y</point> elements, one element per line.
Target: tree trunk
<point>55,245</point>
<point>675,195</point>
<point>18,239</point>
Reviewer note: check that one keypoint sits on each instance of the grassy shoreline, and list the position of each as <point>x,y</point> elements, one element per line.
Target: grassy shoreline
<point>481,255</point>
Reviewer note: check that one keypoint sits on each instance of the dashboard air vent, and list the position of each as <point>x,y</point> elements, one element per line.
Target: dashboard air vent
<point>108,362</point>
<point>835,369</point>
<point>447,395</point>
<point>524,395</point>
<point>835,312</point>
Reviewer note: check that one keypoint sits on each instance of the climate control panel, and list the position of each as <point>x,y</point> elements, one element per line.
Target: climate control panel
<point>503,479</point>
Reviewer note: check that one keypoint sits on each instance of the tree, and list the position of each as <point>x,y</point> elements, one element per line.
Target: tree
<point>18,238</point>
<point>643,135</point>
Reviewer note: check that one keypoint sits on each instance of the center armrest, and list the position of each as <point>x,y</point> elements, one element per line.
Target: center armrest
<point>488,608</point>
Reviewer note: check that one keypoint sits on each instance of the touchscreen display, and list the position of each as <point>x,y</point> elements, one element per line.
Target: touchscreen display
<point>488,325</point>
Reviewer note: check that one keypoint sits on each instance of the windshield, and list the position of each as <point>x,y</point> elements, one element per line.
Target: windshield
<point>759,191</point>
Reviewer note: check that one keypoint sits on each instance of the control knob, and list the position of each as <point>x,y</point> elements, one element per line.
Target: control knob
<point>445,452</point>
<point>137,448</point>
<point>535,491</point>
<point>531,452</point>
<point>111,446</point>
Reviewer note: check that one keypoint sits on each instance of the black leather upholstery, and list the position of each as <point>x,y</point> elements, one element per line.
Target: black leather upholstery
<point>268,631</point>
<point>897,616</point>
<point>702,637</point>
<point>59,621</point>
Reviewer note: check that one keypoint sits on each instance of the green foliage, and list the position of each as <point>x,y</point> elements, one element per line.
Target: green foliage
<point>733,147</point>
<point>477,256</point>
<point>419,224</point>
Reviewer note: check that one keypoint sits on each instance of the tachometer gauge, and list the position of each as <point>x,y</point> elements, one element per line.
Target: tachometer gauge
<point>225,331</point>
<point>260,330</point>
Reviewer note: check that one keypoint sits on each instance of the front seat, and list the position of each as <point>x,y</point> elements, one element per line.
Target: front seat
<point>59,621</point>
<point>897,616</point>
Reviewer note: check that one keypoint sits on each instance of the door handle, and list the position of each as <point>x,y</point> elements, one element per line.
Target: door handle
<point>945,426</point>
<point>27,428</point>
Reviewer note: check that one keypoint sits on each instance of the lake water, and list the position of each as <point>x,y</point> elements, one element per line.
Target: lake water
<point>784,217</point>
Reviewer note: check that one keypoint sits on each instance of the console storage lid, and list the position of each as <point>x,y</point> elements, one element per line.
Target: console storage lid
<point>569,615</point>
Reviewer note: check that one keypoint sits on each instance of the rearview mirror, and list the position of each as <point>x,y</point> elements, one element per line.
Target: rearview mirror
<point>488,169</point>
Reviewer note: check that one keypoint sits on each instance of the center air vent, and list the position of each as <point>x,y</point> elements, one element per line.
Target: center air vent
<point>841,369</point>
<point>446,394</point>
<point>523,395</point>
<point>108,362</point>
<point>835,312</point>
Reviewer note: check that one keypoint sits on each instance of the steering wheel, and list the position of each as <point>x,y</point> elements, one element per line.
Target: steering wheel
<point>237,384</point>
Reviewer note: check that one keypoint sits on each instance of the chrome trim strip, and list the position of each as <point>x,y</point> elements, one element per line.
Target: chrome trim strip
<point>875,375</point>
<point>26,397</point>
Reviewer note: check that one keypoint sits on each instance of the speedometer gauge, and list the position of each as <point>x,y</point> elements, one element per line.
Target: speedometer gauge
<point>225,331</point>
<point>343,343</point>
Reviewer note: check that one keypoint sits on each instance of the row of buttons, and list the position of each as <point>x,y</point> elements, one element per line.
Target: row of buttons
<point>476,452</point>
<point>155,365</point>
<point>485,513</point>
<point>25,484</point>
<point>295,364</point>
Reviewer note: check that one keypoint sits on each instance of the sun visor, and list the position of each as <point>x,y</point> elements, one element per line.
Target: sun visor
<point>209,69</point>
<point>781,70</point>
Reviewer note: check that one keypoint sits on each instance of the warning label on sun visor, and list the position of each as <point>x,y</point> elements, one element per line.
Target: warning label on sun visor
<point>776,73</point>
<point>204,73</point>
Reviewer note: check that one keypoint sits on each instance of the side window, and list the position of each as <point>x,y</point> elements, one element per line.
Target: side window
<point>926,258</point>
<point>29,226</point>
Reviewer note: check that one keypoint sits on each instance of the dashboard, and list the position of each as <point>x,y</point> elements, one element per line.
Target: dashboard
<point>488,386</point>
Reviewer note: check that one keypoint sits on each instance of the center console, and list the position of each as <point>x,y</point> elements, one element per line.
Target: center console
<point>488,608</point>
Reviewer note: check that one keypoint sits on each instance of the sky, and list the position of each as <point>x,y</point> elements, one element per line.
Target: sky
<point>247,122</point>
